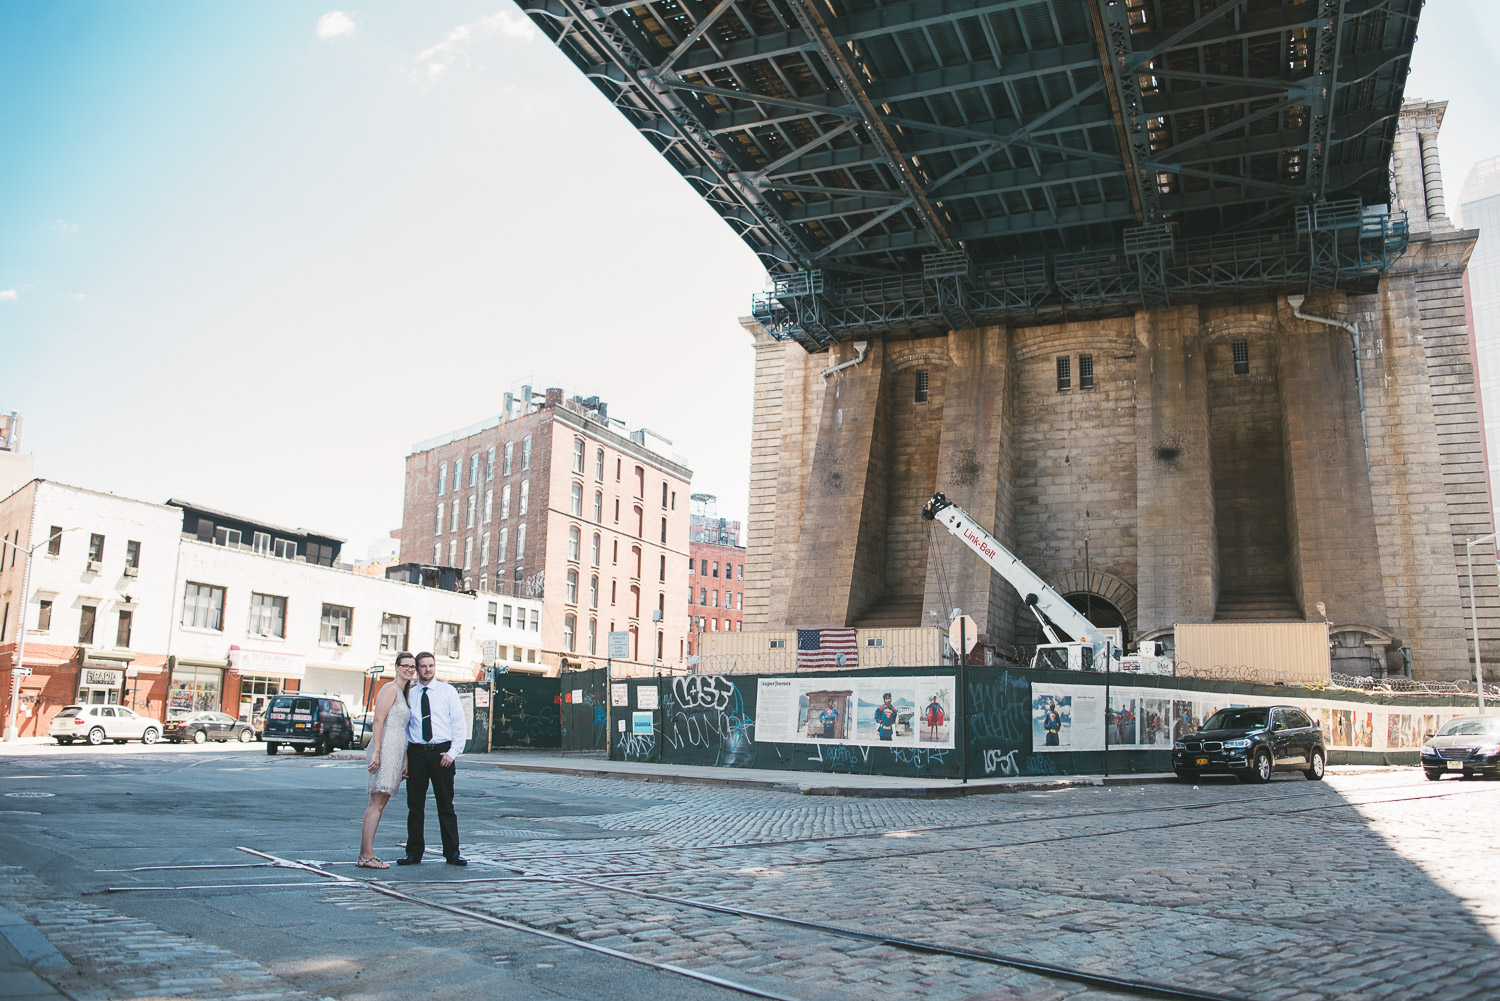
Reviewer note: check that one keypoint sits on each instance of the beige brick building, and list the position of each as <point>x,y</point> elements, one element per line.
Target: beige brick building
<point>1208,462</point>
<point>549,500</point>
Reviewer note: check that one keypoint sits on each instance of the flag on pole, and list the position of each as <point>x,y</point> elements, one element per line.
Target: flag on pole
<point>827,649</point>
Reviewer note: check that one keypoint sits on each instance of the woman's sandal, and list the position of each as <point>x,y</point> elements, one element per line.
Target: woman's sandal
<point>371,863</point>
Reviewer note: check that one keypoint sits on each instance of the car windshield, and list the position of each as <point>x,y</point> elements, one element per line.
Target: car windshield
<point>1237,719</point>
<point>1472,726</point>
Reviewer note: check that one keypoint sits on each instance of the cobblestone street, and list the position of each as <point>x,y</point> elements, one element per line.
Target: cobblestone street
<point>1370,885</point>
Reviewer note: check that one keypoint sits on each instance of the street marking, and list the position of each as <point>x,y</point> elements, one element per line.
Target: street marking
<point>32,794</point>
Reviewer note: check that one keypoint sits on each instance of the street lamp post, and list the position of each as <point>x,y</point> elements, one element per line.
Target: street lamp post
<point>20,661</point>
<point>1474,615</point>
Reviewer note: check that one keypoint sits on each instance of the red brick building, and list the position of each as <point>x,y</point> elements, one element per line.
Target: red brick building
<point>716,573</point>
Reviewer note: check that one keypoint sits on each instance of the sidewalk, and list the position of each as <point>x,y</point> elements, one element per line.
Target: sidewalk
<point>594,765</point>
<point>23,951</point>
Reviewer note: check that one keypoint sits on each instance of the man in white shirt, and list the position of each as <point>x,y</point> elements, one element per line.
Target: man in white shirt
<point>435,738</point>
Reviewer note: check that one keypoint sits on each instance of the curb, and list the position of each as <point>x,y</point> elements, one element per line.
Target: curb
<point>31,945</point>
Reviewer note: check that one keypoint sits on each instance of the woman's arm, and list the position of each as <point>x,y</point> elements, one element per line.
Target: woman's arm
<point>383,703</point>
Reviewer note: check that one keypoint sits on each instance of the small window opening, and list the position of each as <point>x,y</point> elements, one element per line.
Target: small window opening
<point>1064,374</point>
<point>1085,371</point>
<point>1241,357</point>
<point>921,387</point>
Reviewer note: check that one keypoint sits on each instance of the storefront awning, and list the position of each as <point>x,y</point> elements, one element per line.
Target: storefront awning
<point>276,663</point>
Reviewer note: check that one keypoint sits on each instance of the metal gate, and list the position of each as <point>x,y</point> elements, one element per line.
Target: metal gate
<point>583,710</point>
<point>526,712</point>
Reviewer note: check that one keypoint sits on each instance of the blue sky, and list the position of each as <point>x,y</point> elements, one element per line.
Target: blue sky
<point>250,262</point>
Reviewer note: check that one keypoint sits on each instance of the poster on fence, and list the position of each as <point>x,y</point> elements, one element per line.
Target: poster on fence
<point>899,711</point>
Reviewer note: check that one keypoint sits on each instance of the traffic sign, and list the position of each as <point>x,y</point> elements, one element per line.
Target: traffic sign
<point>22,671</point>
<point>619,645</point>
<point>964,630</point>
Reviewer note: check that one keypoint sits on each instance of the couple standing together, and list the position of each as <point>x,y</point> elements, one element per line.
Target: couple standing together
<point>418,735</point>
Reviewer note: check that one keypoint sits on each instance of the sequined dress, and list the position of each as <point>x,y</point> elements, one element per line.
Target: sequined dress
<point>392,749</point>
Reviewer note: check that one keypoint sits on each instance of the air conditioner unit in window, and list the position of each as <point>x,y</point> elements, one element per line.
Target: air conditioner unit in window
<point>95,566</point>
<point>132,571</point>
<point>346,641</point>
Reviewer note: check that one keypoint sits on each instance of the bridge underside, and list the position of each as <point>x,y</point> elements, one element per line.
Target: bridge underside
<point>941,163</point>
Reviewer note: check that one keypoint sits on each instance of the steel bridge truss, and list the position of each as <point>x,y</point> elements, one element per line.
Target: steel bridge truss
<point>931,147</point>
<point>1336,245</point>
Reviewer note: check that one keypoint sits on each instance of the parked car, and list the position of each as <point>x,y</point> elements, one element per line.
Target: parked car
<point>96,724</point>
<point>303,721</point>
<point>364,728</point>
<point>1251,743</point>
<point>1466,744</point>
<point>207,726</point>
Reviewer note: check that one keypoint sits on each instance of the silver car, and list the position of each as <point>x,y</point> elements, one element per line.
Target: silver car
<point>1470,744</point>
<point>96,724</point>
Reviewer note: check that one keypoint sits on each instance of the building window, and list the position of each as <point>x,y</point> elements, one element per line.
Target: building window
<point>692,567</point>
<point>660,639</point>
<point>635,554</point>
<point>335,624</point>
<point>739,571</point>
<point>489,465</point>
<point>778,644</point>
<point>525,453</point>
<point>640,482</point>
<point>524,501</point>
<point>453,552</point>
<point>469,518</point>
<point>521,543</point>
<point>133,554</point>
<point>594,555</point>
<point>493,613</point>
<point>713,598</point>
<point>453,516</point>
<point>505,617</point>
<point>578,456</point>
<point>570,624</point>
<point>505,502</point>
<point>594,591</point>
<point>640,522</point>
<point>690,596</point>
<point>593,636</point>
<point>468,552</point>
<point>203,606</point>
<point>1085,371</point>
<point>474,470</point>
<point>664,494</point>
<point>674,500</point>
<point>393,632</point>
<point>267,615</point>
<point>96,549</point>
<point>43,615</point>
<point>571,586</point>
<point>702,595</point>
<point>598,507</point>
<point>458,473</point>
<point>614,557</point>
<point>575,500</point>
<point>664,531</point>
<point>484,551</point>
<point>286,549</point>
<point>613,592</point>
<point>574,537</point>
<point>489,506</point>
<point>739,597</point>
<point>716,568</point>
<point>54,541</point>
<point>260,542</point>
<point>505,462</point>
<point>442,479</point>
<point>437,554</point>
<point>921,395</point>
<point>704,571</point>
<point>500,547</point>
<point>445,640</point>
<point>438,528</point>
<point>1241,357</point>
<point>599,465</point>
<point>635,602</point>
<point>86,624</point>
<point>663,576</point>
<point>1064,374</point>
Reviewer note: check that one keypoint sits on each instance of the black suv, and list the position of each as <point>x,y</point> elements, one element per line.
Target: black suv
<point>1252,742</point>
<point>305,720</point>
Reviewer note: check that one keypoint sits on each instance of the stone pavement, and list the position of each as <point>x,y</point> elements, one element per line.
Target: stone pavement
<point>24,951</point>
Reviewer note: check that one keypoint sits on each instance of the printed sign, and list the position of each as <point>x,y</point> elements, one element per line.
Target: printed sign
<point>645,697</point>
<point>619,645</point>
<point>884,711</point>
<point>640,724</point>
<point>481,698</point>
<point>93,677</point>
<point>619,695</point>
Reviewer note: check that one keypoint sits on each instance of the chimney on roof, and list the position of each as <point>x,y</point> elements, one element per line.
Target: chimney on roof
<point>508,407</point>
<point>554,396</point>
<point>525,401</point>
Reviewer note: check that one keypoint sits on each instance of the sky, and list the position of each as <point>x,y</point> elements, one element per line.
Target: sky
<point>251,253</point>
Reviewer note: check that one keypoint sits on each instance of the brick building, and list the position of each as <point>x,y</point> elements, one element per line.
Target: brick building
<point>549,501</point>
<point>1208,462</point>
<point>716,573</point>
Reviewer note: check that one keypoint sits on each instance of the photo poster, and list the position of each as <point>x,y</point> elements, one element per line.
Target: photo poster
<point>1067,718</point>
<point>894,711</point>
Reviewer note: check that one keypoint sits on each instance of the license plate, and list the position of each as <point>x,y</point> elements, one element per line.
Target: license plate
<point>1201,761</point>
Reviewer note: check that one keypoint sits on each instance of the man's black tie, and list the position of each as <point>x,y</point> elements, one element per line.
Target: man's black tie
<point>426,717</point>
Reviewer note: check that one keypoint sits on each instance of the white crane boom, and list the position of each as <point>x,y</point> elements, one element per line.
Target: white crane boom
<point>1032,589</point>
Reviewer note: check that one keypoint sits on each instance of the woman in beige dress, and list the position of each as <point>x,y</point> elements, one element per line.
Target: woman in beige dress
<point>386,756</point>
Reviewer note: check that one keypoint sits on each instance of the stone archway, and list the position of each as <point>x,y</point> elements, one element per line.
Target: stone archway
<point>1107,601</point>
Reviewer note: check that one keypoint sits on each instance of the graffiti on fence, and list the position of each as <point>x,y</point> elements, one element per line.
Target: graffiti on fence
<point>708,713</point>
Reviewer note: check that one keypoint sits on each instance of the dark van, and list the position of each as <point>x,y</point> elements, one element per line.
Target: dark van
<point>300,721</point>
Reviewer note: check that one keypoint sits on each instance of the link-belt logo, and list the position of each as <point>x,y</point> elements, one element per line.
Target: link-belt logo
<point>984,547</point>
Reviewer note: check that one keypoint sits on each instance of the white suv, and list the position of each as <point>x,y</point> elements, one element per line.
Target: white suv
<point>96,724</point>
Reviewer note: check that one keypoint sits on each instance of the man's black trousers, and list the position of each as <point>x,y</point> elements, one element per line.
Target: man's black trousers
<point>424,765</point>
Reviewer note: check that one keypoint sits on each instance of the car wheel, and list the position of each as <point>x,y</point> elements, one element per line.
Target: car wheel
<point>96,736</point>
<point>1261,766</point>
<point>199,736</point>
<point>1315,767</point>
<point>244,736</point>
<point>149,737</point>
<point>272,747</point>
<point>1185,775</point>
<point>1433,774</point>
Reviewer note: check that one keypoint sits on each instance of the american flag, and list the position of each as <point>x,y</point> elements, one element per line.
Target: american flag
<point>822,649</point>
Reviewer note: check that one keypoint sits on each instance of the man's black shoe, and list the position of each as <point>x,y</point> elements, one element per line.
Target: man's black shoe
<point>409,860</point>
<point>457,860</point>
